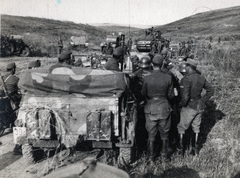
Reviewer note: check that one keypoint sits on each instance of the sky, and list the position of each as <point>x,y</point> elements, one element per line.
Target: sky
<point>133,12</point>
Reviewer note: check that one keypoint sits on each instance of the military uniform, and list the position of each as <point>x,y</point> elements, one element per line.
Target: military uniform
<point>112,64</point>
<point>129,44</point>
<point>158,89</point>
<point>11,84</point>
<point>60,46</point>
<point>192,103</point>
<point>108,50</point>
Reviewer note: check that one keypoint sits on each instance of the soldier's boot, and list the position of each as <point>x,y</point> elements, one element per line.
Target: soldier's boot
<point>180,145</point>
<point>164,154</point>
<point>151,150</point>
<point>194,144</point>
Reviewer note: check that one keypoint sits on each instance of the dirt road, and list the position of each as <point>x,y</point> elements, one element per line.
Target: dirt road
<point>11,166</point>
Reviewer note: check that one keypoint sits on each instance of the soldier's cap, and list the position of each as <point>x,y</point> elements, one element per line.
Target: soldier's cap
<point>65,55</point>
<point>158,60</point>
<point>192,62</point>
<point>11,66</point>
<point>33,64</point>
<point>118,51</point>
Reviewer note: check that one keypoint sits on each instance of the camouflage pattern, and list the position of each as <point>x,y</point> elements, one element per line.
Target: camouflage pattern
<point>65,80</point>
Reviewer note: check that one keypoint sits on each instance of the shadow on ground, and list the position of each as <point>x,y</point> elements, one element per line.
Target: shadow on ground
<point>7,159</point>
<point>183,172</point>
<point>237,175</point>
<point>210,117</point>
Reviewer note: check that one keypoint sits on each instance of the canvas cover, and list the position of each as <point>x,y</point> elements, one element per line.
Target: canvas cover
<point>59,80</point>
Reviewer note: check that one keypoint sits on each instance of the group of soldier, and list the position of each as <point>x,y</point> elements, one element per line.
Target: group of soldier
<point>170,93</point>
<point>168,96</point>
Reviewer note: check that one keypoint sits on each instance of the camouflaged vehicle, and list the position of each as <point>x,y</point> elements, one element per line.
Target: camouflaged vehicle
<point>61,104</point>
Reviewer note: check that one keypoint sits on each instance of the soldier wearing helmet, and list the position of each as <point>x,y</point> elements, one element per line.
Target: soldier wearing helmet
<point>168,69</point>
<point>136,81</point>
<point>112,63</point>
<point>158,90</point>
<point>108,50</point>
<point>11,83</point>
<point>192,103</point>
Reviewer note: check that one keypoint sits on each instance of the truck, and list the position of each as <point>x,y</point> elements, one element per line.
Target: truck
<point>113,39</point>
<point>14,45</point>
<point>61,105</point>
<point>78,41</point>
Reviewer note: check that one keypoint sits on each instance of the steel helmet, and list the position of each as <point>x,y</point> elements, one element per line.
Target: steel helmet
<point>145,62</point>
<point>180,59</point>
<point>182,67</point>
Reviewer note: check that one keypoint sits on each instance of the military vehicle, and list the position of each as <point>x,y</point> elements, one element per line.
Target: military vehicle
<point>174,50</point>
<point>65,106</point>
<point>113,39</point>
<point>144,45</point>
<point>78,41</point>
<point>14,45</point>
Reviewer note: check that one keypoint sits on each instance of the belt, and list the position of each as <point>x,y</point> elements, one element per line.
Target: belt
<point>197,98</point>
<point>157,98</point>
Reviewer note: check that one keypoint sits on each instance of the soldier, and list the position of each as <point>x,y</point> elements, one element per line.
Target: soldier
<point>192,103</point>
<point>210,39</point>
<point>60,45</point>
<point>129,44</point>
<point>136,81</point>
<point>157,89</point>
<point>108,50</point>
<point>64,60</point>
<point>11,83</point>
<point>112,63</point>
<point>34,64</point>
<point>184,50</point>
<point>175,116</point>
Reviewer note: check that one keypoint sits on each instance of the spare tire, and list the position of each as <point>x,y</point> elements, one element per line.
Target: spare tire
<point>28,154</point>
<point>8,50</point>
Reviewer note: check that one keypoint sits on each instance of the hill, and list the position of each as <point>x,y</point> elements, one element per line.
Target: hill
<point>224,23</point>
<point>117,28</point>
<point>44,33</point>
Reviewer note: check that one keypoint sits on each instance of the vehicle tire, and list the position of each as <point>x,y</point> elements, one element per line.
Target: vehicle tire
<point>28,154</point>
<point>25,52</point>
<point>9,50</point>
<point>125,156</point>
<point>2,129</point>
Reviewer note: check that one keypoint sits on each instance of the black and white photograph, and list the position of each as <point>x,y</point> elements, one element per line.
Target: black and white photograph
<point>120,89</point>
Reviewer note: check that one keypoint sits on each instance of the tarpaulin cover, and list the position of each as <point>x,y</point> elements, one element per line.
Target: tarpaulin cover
<point>64,80</point>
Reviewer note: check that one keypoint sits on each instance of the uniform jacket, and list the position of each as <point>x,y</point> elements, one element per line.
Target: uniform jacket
<point>11,83</point>
<point>158,89</point>
<point>137,82</point>
<point>192,86</point>
<point>108,50</point>
<point>112,64</point>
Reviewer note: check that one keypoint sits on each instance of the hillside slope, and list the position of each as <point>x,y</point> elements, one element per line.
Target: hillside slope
<point>44,33</point>
<point>224,23</point>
